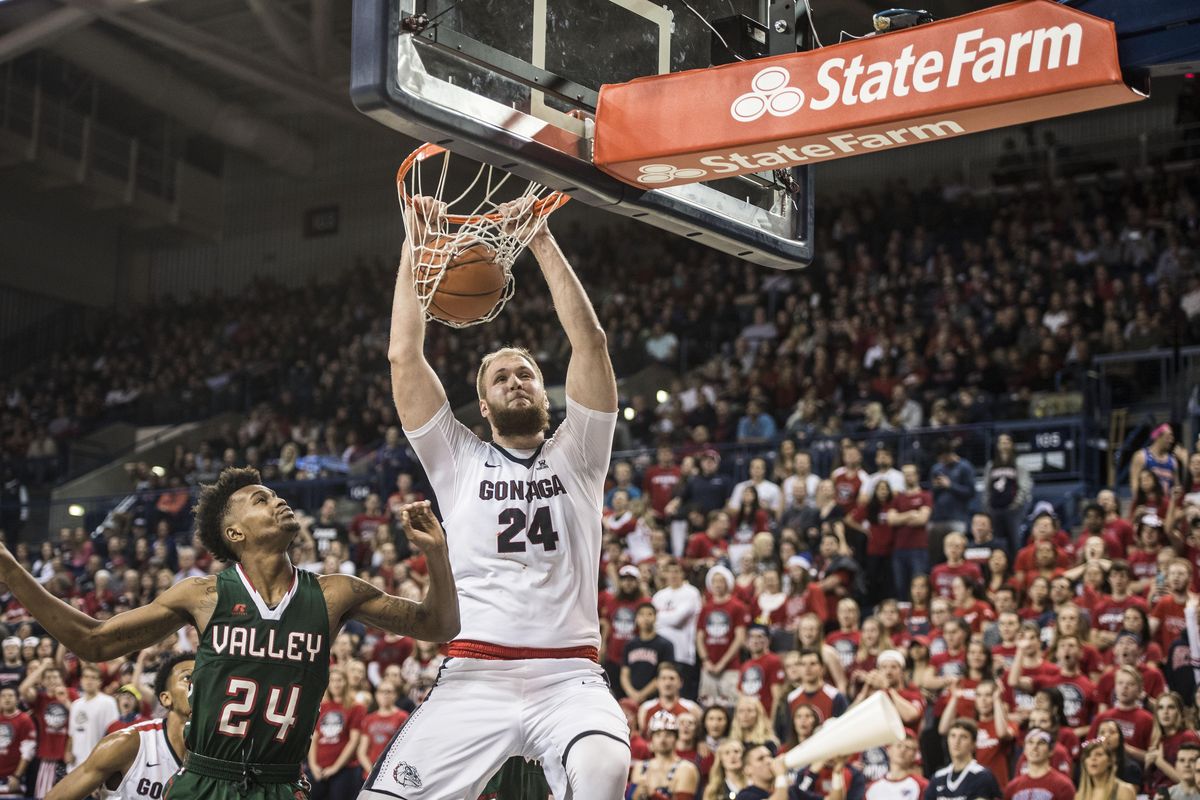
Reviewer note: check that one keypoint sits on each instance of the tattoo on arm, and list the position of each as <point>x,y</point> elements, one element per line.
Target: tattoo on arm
<point>364,589</point>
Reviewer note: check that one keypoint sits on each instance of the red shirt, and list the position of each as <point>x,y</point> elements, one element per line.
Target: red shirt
<point>1169,612</point>
<point>758,676</point>
<point>1079,696</point>
<point>1153,683</point>
<point>1109,614</point>
<point>391,649</point>
<point>51,718</point>
<point>1060,759</point>
<point>1122,530</point>
<point>1136,724</point>
<point>845,643</point>
<point>991,751</point>
<point>1155,778</point>
<point>797,605</point>
<point>378,728</point>
<point>718,621</point>
<point>943,576</point>
<point>912,537</point>
<point>334,724</point>
<point>660,484</point>
<point>622,620</point>
<point>14,731</point>
<point>1143,564</point>
<point>701,546</point>
<point>827,701</point>
<point>1051,786</point>
<point>847,484</point>
<point>1040,674</point>
<point>1025,561</point>
<point>975,615</point>
<point>881,539</point>
<point>120,724</point>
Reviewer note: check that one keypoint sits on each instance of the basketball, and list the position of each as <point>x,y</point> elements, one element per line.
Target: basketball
<point>472,285</point>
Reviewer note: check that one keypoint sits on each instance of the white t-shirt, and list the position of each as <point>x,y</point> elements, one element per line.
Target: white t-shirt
<point>810,487</point>
<point>770,496</point>
<point>523,528</point>
<point>893,476</point>
<point>154,765</point>
<point>907,788</point>
<point>87,721</point>
<point>678,611</point>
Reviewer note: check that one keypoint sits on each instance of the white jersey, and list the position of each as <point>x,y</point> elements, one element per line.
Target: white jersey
<point>523,527</point>
<point>152,767</point>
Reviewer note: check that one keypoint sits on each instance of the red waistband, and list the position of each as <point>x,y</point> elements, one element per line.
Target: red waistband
<point>468,648</point>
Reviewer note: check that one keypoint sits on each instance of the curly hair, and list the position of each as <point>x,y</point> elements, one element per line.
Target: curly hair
<point>164,671</point>
<point>213,505</point>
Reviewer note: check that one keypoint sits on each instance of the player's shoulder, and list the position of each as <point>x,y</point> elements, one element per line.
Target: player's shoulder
<point>118,749</point>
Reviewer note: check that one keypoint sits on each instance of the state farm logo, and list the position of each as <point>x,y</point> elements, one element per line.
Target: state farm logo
<point>665,173</point>
<point>971,59</point>
<point>769,94</point>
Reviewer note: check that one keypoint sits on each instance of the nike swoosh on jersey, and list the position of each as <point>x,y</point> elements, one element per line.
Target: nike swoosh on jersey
<point>493,466</point>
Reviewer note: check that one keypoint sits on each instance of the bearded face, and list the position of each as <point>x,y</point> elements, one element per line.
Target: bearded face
<point>523,420</point>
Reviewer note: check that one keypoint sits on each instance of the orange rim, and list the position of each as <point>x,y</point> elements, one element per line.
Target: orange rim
<point>542,207</point>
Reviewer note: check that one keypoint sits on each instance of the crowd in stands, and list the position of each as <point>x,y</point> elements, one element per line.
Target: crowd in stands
<point>739,616</point>
<point>925,307</point>
<point>739,612</point>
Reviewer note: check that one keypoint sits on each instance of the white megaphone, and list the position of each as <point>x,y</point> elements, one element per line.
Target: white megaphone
<point>872,723</point>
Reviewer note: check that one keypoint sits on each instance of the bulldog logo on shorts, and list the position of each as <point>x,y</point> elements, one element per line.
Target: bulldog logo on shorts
<point>406,775</point>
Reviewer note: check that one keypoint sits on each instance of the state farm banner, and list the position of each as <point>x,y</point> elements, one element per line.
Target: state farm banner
<point>1005,65</point>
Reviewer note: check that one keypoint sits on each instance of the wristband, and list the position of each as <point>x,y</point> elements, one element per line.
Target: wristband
<point>781,782</point>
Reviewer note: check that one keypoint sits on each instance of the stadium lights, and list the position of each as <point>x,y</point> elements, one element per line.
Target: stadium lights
<point>630,414</point>
<point>75,510</point>
<point>161,472</point>
<point>662,396</point>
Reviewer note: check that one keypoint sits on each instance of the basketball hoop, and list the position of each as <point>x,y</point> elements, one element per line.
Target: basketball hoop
<point>503,218</point>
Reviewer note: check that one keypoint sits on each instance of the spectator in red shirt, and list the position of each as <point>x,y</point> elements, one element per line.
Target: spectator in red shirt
<point>661,481</point>
<point>49,701</point>
<point>1128,652</point>
<point>705,548</point>
<point>994,742</point>
<point>966,604</point>
<point>129,708</point>
<point>1028,668</point>
<point>1143,557</point>
<point>618,519</point>
<point>1166,619</point>
<point>849,478</point>
<point>1041,782</point>
<point>331,760</point>
<point>377,728</point>
<point>1108,614</point>
<point>1098,774</point>
<point>18,742</point>
<point>872,519</point>
<point>1137,726</point>
<point>618,615</point>
<point>720,634</point>
<point>805,595</point>
<point>943,575</point>
<point>909,518</point>
<point>1170,733</point>
<point>761,675</point>
<point>1044,528</point>
<point>1114,524</point>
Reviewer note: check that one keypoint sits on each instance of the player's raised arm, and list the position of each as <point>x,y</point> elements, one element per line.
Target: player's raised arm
<point>112,758</point>
<point>93,640</point>
<point>435,618</point>
<point>590,378</point>
<point>416,390</point>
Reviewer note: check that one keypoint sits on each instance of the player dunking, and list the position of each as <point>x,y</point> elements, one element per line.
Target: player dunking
<point>138,761</point>
<point>523,527</point>
<point>265,630</point>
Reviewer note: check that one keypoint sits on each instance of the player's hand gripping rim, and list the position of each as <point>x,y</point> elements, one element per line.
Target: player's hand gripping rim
<point>422,527</point>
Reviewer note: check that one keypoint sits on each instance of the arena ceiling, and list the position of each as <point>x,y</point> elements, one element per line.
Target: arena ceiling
<point>280,68</point>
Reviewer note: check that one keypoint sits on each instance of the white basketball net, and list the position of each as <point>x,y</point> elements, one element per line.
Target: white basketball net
<point>500,218</point>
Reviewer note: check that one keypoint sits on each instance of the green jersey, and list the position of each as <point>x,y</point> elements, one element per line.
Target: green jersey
<point>260,673</point>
